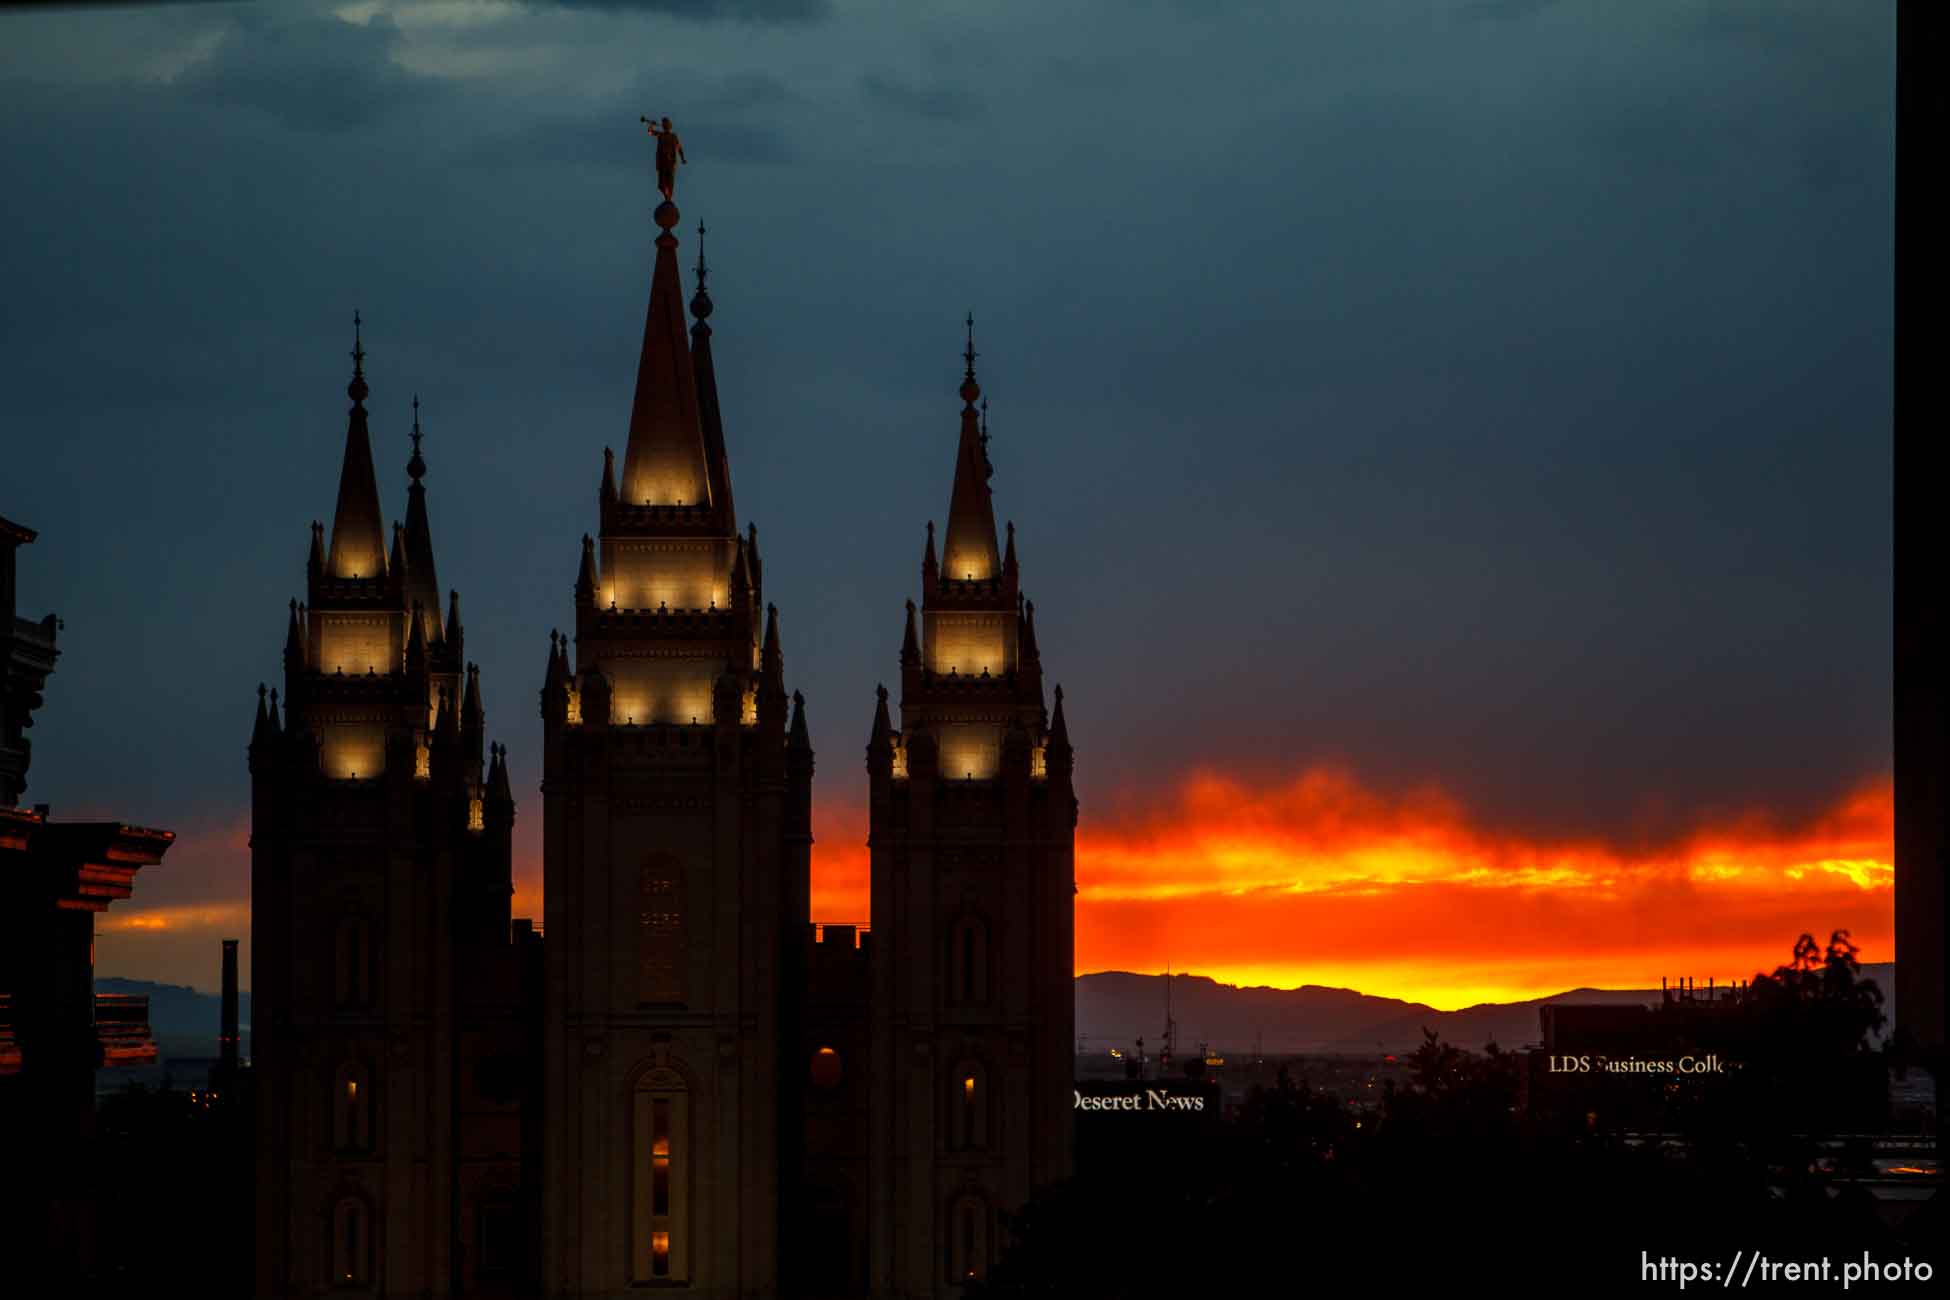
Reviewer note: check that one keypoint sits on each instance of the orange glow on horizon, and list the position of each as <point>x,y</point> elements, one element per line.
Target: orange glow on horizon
<point>1317,879</point>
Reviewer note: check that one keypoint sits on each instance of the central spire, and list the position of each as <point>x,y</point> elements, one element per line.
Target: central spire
<point>969,551</point>
<point>358,539</point>
<point>664,463</point>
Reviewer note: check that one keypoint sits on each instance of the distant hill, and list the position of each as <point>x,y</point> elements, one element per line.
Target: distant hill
<point>1117,1007</point>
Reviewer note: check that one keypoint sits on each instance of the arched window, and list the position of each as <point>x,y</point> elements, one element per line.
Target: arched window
<point>353,964</point>
<point>350,1247</point>
<point>968,962</point>
<point>968,1108</point>
<point>966,1240</point>
<point>352,1110</point>
<point>661,1213</point>
<point>662,953</point>
<point>827,1069</point>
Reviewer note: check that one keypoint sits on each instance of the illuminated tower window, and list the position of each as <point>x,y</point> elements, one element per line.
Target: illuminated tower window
<point>352,1110</point>
<point>660,1215</point>
<point>968,1108</point>
<point>826,1069</point>
<point>475,820</point>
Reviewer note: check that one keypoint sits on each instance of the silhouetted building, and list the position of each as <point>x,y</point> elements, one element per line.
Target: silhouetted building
<point>55,1031</point>
<point>387,1029</point>
<point>1694,1055</point>
<point>225,1074</point>
<point>1922,710</point>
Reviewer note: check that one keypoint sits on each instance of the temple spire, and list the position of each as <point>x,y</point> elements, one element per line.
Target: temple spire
<point>397,565</point>
<point>771,660</point>
<point>664,463</point>
<point>799,737</point>
<point>416,640</point>
<point>910,643</point>
<point>294,641</point>
<point>586,571</point>
<point>422,585</point>
<point>968,551</point>
<point>711,422</point>
<point>358,537</point>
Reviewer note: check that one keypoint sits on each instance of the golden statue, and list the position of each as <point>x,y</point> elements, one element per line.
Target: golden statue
<point>670,152</point>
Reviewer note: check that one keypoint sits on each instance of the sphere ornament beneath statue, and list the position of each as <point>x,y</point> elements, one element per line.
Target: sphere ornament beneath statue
<point>666,214</point>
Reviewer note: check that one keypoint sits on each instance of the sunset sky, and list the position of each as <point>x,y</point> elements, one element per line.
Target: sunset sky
<point>1448,442</point>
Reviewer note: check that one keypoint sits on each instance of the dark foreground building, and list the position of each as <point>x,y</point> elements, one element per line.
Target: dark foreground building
<point>687,1084</point>
<point>55,1030</point>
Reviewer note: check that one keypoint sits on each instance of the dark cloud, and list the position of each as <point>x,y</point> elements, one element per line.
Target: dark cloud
<point>1510,416</point>
<point>1505,10</point>
<point>308,73</point>
<point>941,103</point>
<point>753,11</point>
<point>736,119</point>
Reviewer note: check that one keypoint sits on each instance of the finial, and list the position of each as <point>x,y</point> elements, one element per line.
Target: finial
<point>985,419</point>
<point>416,467</point>
<point>701,300</point>
<point>357,389</point>
<point>970,390</point>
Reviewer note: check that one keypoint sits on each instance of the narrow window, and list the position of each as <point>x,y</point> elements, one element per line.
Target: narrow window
<point>660,1158</point>
<point>351,1110</point>
<point>351,1244</point>
<point>967,1238</point>
<point>660,1215</point>
<point>968,1113</point>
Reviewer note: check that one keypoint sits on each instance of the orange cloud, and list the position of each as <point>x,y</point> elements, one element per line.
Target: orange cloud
<point>1317,879</point>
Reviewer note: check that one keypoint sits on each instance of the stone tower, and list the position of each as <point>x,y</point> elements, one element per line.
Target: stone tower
<point>973,819</point>
<point>386,1020</point>
<point>676,859</point>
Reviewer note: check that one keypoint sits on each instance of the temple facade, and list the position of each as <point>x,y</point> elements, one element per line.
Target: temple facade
<point>391,1045</point>
<point>679,1080</point>
<point>972,846</point>
<point>676,811</point>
